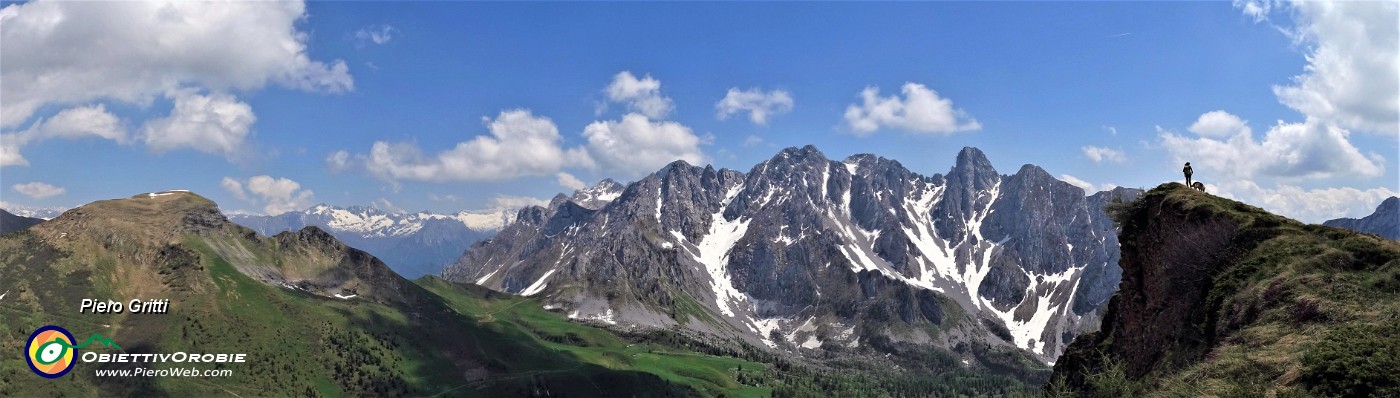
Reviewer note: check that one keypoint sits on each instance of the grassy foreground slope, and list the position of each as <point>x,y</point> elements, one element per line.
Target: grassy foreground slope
<point>393,338</point>
<point>1220,298</point>
<point>318,318</point>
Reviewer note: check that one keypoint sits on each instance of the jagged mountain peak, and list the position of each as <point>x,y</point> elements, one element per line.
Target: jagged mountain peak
<point>801,236</point>
<point>1385,221</point>
<point>971,157</point>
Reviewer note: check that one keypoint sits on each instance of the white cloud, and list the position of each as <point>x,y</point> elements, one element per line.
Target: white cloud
<point>277,195</point>
<point>567,180</point>
<point>1103,154</point>
<point>641,95</point>
<point>638,145</point>
<point>1353,54</point>
<point>38,190</point>
<point>516,202</point>
<point>1218,124</point>
<point>920,111</point>
<point>520,144</point>
<point>377,34</point>
<point>1085,185</point>
<point>216,123</point>
<point>443,198</point>
<point>9,152</point>
<point>235,188</point>
<point>59,53</point>
<point>1292,150</point>
<point>752,141</point>
<point>338,161</point>
<point>1312,206</point>
<point>386,205</point>
<point>71,123</point>
<point>759,104</point>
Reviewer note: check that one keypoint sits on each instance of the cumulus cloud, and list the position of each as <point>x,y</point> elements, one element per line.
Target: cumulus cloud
<point>385,205</point>
<point>338,161</point>
<point>1088,187</point>
<point>752,141</point>
<point>1085,185</point>
<point>1310,149</point>
<point>377,34</point>
<point>59,53</point>
<point>759,104</point>
<point>443,198</point>
<point>920,111</point>
<point>235,188</point>
<point>567,180</point>
<point>1312,206</point>
<point>217,123</point>
<point>520,144</point>
<point>1103,154</point>
<point>71,123</point>
<point>1218,124</point>
<point>638,145</point>
<point>641,95</point>
<point>277,195</point>
<point>38,190</point>
<point>516,202</point>
<point>1353,54</point>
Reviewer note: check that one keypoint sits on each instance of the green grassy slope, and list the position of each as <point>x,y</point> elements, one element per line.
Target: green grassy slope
<point>232,291</point>
<point>405,341</point>
<point>1241,302</point>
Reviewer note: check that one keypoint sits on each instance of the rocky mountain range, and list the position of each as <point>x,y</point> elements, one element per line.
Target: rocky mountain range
<point>42,213</point>
<point>10,222</point>
<point>1384,222</point>
<point>413,244</point>
<point>808,253</point>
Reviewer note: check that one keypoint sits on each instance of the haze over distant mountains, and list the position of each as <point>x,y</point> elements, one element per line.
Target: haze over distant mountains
<point>803,252</point>
<point>412,244</point>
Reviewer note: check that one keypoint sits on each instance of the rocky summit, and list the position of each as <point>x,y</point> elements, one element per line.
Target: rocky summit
<point>1384,222</point>
<point>805,253</point>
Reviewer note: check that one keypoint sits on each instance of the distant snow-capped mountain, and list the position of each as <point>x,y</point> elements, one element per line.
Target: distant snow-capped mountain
<point>43,213</point>
<point>412,244</point>
<point>804,252</point>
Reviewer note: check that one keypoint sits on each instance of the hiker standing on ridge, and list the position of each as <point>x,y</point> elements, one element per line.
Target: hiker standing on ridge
<point>1187,171</point>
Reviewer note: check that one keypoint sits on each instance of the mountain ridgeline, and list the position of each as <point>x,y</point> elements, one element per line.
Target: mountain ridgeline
<point>1219,298</point>
<point>1384,222</point>
<point>412,244</point>
<point>805,253</point>
<point>313,316</point>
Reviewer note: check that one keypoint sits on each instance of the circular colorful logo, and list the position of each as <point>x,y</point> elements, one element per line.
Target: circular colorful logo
<point>50,351</point>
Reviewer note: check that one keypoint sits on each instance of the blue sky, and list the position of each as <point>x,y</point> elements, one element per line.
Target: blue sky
<point>453,106</point>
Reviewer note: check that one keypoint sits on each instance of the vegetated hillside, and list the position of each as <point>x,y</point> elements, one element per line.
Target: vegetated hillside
<point>1219,298</point>
<point>10,222</point>
<point>318,318</point>
<point>1384,222</point>
<point>315,317</point>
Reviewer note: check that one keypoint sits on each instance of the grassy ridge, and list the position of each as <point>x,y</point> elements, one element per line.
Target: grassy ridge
<point>1297,310</point>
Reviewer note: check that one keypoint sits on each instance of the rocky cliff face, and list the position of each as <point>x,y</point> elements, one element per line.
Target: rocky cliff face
<point>1221,298</point>
<point>1384,222</point>
<point>803,252</point>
